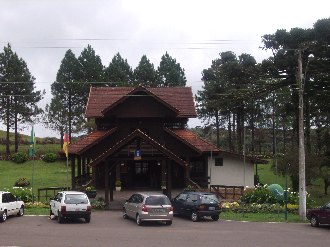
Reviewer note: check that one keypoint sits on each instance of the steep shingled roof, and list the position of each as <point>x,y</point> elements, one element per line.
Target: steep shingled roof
<point>89,140</point>
<point>193,140</point>
<point>180,98</point>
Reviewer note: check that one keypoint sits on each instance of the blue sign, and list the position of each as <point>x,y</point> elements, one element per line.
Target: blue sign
<point>137,154</point>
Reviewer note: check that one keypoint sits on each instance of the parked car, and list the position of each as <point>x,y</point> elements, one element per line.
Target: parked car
<point>320,215</point>
<point>70,204</point>
<point>10,205</point>
<point>197,205</point>
<point>148,206</point>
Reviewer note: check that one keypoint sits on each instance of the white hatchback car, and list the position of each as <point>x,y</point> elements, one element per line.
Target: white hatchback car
<point>70,204</point>
<point>10,205</point>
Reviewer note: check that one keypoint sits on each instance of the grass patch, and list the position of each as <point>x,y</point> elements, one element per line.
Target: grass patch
<point>259,217</point>
<point>45,174</point>
<point>315,189</point>
<point>36,211</point>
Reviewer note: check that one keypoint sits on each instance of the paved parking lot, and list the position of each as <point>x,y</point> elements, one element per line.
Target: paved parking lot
<point>108,228</point>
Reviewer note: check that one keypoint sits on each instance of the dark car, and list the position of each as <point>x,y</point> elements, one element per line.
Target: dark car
<point>320,215</point>
<point>197,205</point>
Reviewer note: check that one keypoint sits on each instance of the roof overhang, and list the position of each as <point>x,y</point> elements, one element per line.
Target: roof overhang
<point>133,135</point>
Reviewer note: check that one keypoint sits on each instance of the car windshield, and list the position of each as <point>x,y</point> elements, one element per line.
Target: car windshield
<point>75,199</point>
<point>209,199</point>
<point>157,200</point>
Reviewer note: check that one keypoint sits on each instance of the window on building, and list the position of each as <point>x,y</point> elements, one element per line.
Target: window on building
<point>218,161</point>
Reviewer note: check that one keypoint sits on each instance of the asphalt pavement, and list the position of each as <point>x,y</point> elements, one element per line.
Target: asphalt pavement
<point>108,228</point>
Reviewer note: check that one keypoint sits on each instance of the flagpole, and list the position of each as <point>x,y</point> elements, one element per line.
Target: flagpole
<point>32,179</point>
<point>32,153</point>
<point>67,171</point>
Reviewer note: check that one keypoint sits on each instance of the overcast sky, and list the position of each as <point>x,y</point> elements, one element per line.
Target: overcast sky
<point>193,32</point>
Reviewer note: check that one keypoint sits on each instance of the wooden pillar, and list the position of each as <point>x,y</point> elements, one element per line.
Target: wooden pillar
<point>79,170</point>
<point>106,185</point>
<point>88,167</point>
<point>187,173</point>
<point>118,171</point>
<point>163,170</point>
<point>83,166</point>
<point>169,179</point>
<point>73,173</point>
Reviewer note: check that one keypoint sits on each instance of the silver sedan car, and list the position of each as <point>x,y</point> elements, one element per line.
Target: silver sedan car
<point>148,206</point>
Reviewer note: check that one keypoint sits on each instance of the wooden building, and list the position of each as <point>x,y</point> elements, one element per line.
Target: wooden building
<point>142,140</point>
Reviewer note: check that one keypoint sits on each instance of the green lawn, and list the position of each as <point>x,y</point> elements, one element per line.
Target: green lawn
<point>259,217</point>
<point>315,189</point>
<point>45,174</point>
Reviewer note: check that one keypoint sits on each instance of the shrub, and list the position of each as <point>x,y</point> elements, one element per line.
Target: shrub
<point>49,157</point>
<point>118,183</point>
<point>99,203</point>
<point>19,157</point>
<point>22,182</point>
<point>25,194</point>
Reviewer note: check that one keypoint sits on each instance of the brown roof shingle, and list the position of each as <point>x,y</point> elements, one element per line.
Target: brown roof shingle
<point>89,140</point>
<point>180,98</point>
<point>193,140</point>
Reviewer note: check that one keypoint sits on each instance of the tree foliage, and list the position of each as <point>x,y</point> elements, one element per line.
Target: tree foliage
<point>17,94</point>
<point>144,73</point>
<point>170,73</point>
<point>119,73</point>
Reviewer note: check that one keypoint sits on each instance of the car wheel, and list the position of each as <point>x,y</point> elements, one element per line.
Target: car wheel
<point>21,211</point>
<point>125,214</point>
<point>88,219</point>
<point>59,218</point>
<point>194,217</point>
<point>168,223</point>
<point>138,220</point>
<point>215,217</point>
<point>3,217</point>
<point>314,221</point>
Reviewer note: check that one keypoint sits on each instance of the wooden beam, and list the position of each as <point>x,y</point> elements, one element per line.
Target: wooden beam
<point>106,185</point>
<point>73,172</point>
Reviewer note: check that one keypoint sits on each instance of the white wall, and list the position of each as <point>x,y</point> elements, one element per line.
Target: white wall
<point>232,173</point>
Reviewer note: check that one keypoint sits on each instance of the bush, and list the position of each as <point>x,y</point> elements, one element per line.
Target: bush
<point>262,195</point>
<point>99,203</point>
<point>22,182</point>
<point>49,157</point>
<point>19,157</point>
<point>25,194</point>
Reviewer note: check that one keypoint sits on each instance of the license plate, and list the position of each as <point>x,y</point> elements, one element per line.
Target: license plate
<point>159,210</point>
<point>211,208</point>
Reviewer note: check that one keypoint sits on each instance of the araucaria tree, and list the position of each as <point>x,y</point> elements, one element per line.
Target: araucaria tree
<point>17,94</point>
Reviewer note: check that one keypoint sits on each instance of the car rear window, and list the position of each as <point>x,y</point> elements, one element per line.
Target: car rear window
<point>209,199</point>
<point>75,199</point>
<point>157,200</point>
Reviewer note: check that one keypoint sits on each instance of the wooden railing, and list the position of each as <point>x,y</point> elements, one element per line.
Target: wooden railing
<point>226,192</point>
<point>49,192</point>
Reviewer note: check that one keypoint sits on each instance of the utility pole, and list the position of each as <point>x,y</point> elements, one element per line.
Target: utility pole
<point>302,179</point>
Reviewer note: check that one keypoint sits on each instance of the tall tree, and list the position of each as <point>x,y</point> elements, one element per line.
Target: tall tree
<point>17,93</point>
<point>144,73</point>
<point>69,92</point>
<point>226,85</point>
<point>170,73</point>
<point>92,70</point>
<point>56,116</point>
<point>119,73</point>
